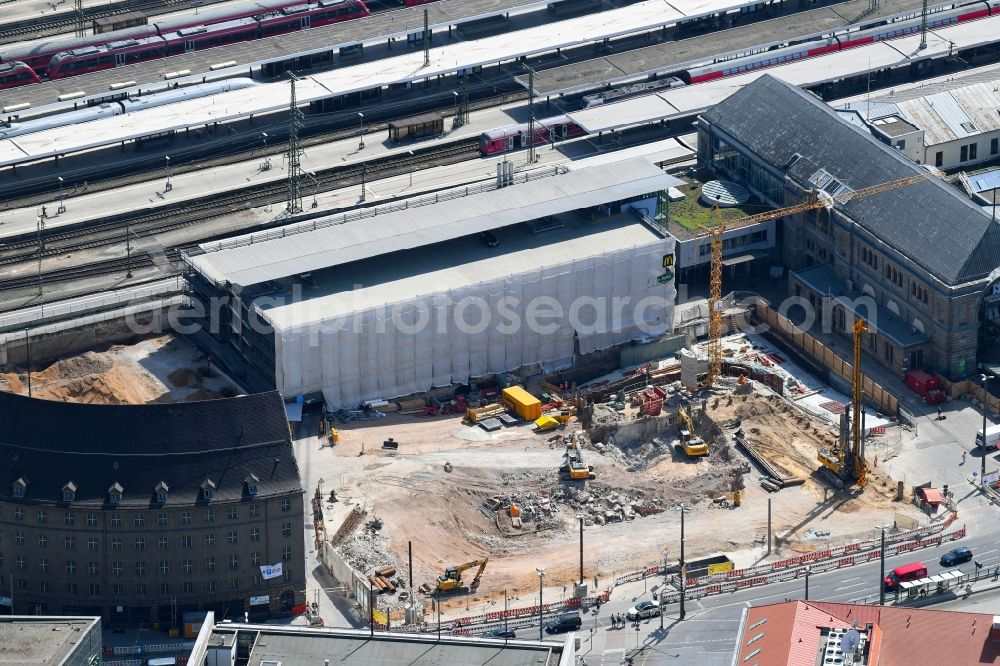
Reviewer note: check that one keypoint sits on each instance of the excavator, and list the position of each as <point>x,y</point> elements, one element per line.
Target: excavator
<point>451,579</point>
<point>689,444</point>
<point>575,468</point>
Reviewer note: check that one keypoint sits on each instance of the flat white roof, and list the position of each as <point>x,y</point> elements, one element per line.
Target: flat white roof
<point>617,115</point>
<point>246,261</point>
<point>460,262</point>
<point>655,152</point>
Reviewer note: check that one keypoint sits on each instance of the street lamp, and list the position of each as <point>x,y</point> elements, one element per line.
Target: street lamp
<point>266,164</point>
<point>986,398</point>
<point>62,197</point>
<point>579,517</point>
<point>361,131</point>
<point>455,121</point>
<point>808,571</point>
<point>541,582</point>
<point>169,185</point>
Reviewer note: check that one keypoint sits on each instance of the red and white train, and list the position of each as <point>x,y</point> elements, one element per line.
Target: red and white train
<point>512,137</point>
<point>236,23</point>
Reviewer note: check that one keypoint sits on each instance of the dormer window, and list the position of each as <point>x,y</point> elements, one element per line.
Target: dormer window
<point>115,494</point>
<point>252,482</point>
<point>20,487</point>
<point>207,489</point>
<point>161,492</point>
<point>69,492</point>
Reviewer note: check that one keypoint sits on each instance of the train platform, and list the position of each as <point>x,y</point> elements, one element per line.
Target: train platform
<point>401,70</point>
<point>676,56</point>
<point>380,29</point>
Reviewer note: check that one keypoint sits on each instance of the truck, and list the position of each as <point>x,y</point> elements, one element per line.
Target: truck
<point>992,437</point>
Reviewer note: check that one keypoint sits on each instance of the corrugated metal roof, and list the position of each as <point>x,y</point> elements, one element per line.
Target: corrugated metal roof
<point>952,114</point>
<point>299,253</point>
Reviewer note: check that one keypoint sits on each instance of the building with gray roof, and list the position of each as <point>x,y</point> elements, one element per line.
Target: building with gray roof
<point>914,261</point>
<point>139,513</point>
<point>30,640</point>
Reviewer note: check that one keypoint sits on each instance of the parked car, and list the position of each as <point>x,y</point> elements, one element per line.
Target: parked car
<point>643,609</point>
<point>500,633</point>
<point>956,556</point>
<point>488,239</point>
<point>563,623</point>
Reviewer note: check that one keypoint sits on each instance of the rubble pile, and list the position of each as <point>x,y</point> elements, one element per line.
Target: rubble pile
<point>369,554</point>
<point>600,505</point>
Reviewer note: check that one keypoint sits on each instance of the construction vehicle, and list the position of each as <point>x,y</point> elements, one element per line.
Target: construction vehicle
<point>547,422</point>
<point>689,444</point>
<point>816,201</point>
<point>451,579</point>
<point>575,468</point>
<point>848,461</point>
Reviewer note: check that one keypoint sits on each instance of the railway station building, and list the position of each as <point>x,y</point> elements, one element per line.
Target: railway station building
<point>914,261</point>
<point>140,513</point>
<point>529,273</point>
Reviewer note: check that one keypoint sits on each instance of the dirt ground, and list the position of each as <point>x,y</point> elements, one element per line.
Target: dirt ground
<point>160,369</point>
<point>439,511</point>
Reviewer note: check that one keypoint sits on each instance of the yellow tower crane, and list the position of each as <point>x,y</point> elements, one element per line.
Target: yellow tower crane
<point>715,274</point>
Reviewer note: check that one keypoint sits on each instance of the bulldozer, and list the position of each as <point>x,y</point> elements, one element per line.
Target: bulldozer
<point>575,467</point>
<point>451,579</point>
<point>689,444</point>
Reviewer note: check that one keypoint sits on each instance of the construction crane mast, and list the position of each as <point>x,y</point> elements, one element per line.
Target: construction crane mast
<point>816,200</point>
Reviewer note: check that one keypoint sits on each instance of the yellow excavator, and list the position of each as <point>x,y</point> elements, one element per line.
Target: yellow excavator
<point>575,468</point>
<point>451,579</point>
<point>689,444</point>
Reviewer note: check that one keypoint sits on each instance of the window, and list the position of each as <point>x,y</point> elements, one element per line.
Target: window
<point>164,589</point>
<point>234,562</point>
<point>209,515</point>
<point>43,586</point>
<point>231,514</point>
<point>21,562</point>
<point>93,568</point>
<point>901,144</point>
<point>163,543</point>
<point>210,564</point>
<point>888,352</point>
<point>161,492</point>
<point>233,537</point>
<point>43,565</point>
<point>92,543</point>
<point>116,520</point>
<point>139,520</point>
<point>254,510</point>
<point>43,541</point>
<point>71,589</point>
<point>18,513</point>
<point>140,589</point>
<point>255,534</point>
<point>963,154</point>
<point>286,529</point>
<point>118,590</point>
<point>186,541</point>
<point>164,568</point>
<point>19,538</point>
<point>140,568</point>
<point>286,553</point>
<point>185,517</point>
<point>95,590</point>
<point>116,543</point>
<point>994,146</point>
<point>234,583</point>
<point>255,558</point>
<point>140,543</point>
<point>188,587</point>
<point>70,543</point>
<point>210,586</point>
<point>286,505</point>
<point>118,568</point>
<point>19,487</point>
<point>69,519</point>
<point>161,519</point>
<point>91,520</point>
<point>71,567</point>
<point>251,482</point>
<point>973,147</point>
<point>286,575</point>
<point>188,567</point>
<point>210,539</point>
<point>22,584</point>
<point>42,516</point>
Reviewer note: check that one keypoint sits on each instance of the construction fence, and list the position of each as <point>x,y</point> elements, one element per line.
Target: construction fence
<point>825,357</point>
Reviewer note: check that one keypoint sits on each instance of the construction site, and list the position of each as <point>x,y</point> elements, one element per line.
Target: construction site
<point>497,490</point>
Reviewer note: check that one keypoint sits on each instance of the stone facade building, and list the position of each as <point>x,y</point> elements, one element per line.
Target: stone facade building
<point>914,261</point>
<point>138,513</point>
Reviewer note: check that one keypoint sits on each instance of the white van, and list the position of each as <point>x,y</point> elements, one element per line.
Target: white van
<point>992,437</point>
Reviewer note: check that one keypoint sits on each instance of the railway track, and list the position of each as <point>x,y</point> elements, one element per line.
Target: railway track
<point>62,22</point>
<point>145,225</point>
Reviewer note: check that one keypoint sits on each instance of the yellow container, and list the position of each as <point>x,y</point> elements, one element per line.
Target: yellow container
<point>525,405</point>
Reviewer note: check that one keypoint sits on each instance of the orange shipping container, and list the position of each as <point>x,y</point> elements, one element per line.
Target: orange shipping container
<point>525,405</point>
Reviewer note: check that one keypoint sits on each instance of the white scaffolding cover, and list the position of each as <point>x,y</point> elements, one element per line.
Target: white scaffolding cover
<point>398,339</point>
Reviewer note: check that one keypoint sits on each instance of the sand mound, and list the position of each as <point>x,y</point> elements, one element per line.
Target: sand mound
<point>183,378</point>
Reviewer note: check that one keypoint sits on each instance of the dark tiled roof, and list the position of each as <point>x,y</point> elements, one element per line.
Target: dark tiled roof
<point>930,222</point>
<point>137,446</point>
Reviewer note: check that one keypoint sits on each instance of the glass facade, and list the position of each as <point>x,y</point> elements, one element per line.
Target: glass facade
<point>727,160</point>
